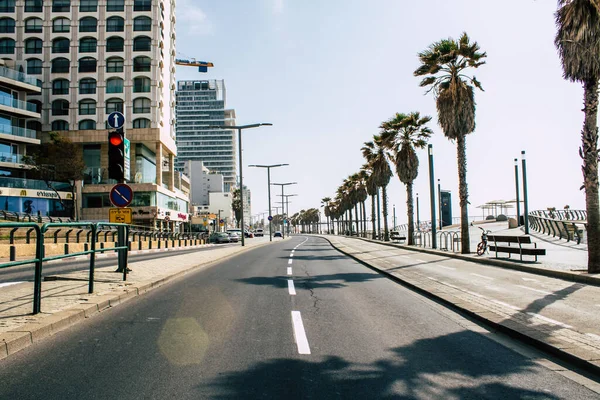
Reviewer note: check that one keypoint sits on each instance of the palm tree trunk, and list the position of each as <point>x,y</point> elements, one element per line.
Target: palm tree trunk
<point>386,233</point>
<point>364,216</point>
<point>463,194</point>
<point>378,217</point>
<point>373,216</point>
<point>410,213</point>
<point>589,149</point>
<point>350,220</point>
<point>357,219</point>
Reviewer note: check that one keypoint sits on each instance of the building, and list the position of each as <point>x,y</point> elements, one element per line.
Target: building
<point>247,206</point>
<point>202,181</point>
<point>19,132</point>
<point>200,112</point>
<point>95,58</point>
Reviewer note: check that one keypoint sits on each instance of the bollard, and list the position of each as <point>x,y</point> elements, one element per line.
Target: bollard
<point>179,242</point>
<point>166,244</point>
<point>139,244</point>
<point>102,245</point>
<point>158,243</point>
<point>150,244</point>
<point>129,245</point>
<point>86,246</point>
<point>66,248</point>
<point>13,253</point>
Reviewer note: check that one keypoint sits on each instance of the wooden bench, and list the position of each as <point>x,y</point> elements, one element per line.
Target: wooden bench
<point>396,237</point>
<point>520,241</point>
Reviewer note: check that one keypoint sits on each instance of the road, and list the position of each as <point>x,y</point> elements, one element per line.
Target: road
<point>26,272</point>
<point>240,329</point>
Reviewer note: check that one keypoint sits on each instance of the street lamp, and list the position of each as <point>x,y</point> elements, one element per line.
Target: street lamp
<point>525,204</point>
<point>287,208</point>
<point>268,167</point>
<point>282,186</point>
<point>240,128</point>
<point>517,190</point>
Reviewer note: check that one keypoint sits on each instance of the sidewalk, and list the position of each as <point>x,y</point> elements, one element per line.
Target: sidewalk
<point>66,301</point>
<point>552,313</point>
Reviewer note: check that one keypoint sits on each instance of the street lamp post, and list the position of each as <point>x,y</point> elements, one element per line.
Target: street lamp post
<point>440,203</point>
<point>268,167</point>
<point>240,128</point>
<point>418,222</point>
<point>432,197</point>
<point>394,207</point>
<point>518,192</point>
<point>287,208</point>
<point>525,205</point>
<point>283,185</point>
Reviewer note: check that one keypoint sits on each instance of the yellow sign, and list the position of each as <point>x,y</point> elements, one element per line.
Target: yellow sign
<point>119,215</point>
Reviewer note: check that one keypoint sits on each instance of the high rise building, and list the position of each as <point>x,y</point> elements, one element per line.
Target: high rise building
<point>95,57</point>
<point>200,112</point>
<point>202,181</point>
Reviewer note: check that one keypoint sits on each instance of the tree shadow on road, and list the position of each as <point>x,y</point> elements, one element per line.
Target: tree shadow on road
<point>334,281</point>
<point>428,368</point>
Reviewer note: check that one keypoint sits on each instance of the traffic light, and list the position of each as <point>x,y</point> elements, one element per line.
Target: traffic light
<point>116,155</point>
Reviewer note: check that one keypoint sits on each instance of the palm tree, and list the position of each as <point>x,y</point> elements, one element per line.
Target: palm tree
<point>443,64</point>
<point>405,133</point>
<point>578,43</point>
<point>375,153</point>
<point>362,196</point>
<point>371,187</point>
<point>325,203</point>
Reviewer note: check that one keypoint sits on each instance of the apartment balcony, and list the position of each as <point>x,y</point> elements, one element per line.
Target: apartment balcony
<point>18,107</point>
<point>21,183</point>
<point>20,81</point>
<point>16,134</point>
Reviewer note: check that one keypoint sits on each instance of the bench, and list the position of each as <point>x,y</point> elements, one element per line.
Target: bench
<point>397,238</point>
<point>520,241</point>
<point>573,231</point>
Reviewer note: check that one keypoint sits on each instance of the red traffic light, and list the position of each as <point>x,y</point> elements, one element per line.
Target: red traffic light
<point>115,139</point>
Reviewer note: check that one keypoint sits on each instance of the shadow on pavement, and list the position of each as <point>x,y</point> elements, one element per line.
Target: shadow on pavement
<point>428,368</point>
<point>315,282</point>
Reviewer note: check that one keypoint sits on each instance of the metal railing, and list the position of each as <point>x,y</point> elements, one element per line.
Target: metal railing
<point>16,131</point>
<point>446,240</point>
<point>563,228</point>
<point>569,215</point>
<point>19,76</point>
<point>20,104</point>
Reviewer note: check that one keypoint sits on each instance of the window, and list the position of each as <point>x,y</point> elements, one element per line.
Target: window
<point>33,46</point>
<point>60,107</point>
<point>115,5</point>
<point>87,45</point>
<point>60,45</point>
<point>7,46</point>
<point>142,64</point>
<point>87,107</point>
<point>141,106</point>
<point>141,84</point>
<point>33,5</point>
<point>88,24</point>
<point>142,24</point>
<point>88,5</point>
<point>61,25</point>
<point>114,64</point>
<point>37,104</point>
<point>141,123</point>
<point>7,25</point>
<point>61,5</point>
<point>60,125</point>
<point>115,43</point>
<point>87,86</point>
<point>115,24</point>
<point>142,5</point>
<point>114,105</point>
<point>7,5</point>
<point>141,43</point>
<point>33,25</point>
<point>87,124</point>
<point>34,66</point>
<point>114,85</point>
<point>87,64</point>
<point>60,65</point>
<point>60,86</point>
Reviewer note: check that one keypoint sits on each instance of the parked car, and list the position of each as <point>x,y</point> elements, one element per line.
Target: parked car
<point>277,234</point>
<point>233,237</point>
<point>259,232</point>
<point>219,237</point>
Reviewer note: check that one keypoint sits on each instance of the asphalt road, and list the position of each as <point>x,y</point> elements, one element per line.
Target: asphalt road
<point>238,331</point>
<point>26,272</point>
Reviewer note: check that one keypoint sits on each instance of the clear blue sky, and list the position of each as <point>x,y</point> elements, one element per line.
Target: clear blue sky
<point>326,73</point>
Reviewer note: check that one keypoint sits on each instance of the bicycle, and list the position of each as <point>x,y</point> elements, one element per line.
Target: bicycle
<point>482,247</point>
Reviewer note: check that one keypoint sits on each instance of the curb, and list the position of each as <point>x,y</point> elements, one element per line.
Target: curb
<point>514,265</point>
<point>19,338</point>
<point>512,331</point>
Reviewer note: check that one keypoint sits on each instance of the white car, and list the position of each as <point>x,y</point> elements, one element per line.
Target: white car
<point>259,232</point>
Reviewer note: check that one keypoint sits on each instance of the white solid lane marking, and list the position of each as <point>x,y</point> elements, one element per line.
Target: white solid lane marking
<point>299,333</point>
<point>291,255</point>
<point>418,260</point>
<point>448,268</point>
<point>535,290</point>
<point>8,284</point>
<point>291,287</point>
<point>529,279</point>
<point>482,276</point>
<point>289,271</point>
<point>290,261</point>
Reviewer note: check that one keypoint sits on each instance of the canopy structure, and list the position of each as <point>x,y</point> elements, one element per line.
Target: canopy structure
<point>493,206</point>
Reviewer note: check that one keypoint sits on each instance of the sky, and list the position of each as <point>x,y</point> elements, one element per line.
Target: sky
<point>326,73</point>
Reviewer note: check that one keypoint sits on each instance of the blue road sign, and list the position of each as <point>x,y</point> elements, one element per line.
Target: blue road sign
<point>270,218</point>
<point>116,120</point>
<point>121,195</point>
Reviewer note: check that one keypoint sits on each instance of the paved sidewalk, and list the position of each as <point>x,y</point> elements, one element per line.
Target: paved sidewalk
<point>533,314</point>
<point>66,301</point>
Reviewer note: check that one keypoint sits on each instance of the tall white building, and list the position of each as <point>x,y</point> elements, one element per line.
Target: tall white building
<point>200,114</point>
<point>202,181</point>
<point>95,57</point>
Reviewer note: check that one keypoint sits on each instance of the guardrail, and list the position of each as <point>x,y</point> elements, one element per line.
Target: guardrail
<point>446,240</point>
<point>121,247</point>
<point>563,228</point>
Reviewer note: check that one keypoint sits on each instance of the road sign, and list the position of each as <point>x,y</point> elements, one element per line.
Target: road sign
<point>120,215</point>
<point>270,218</point>
<point>116,120</point>
<point>127,158</point>
<point>121,195</point>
